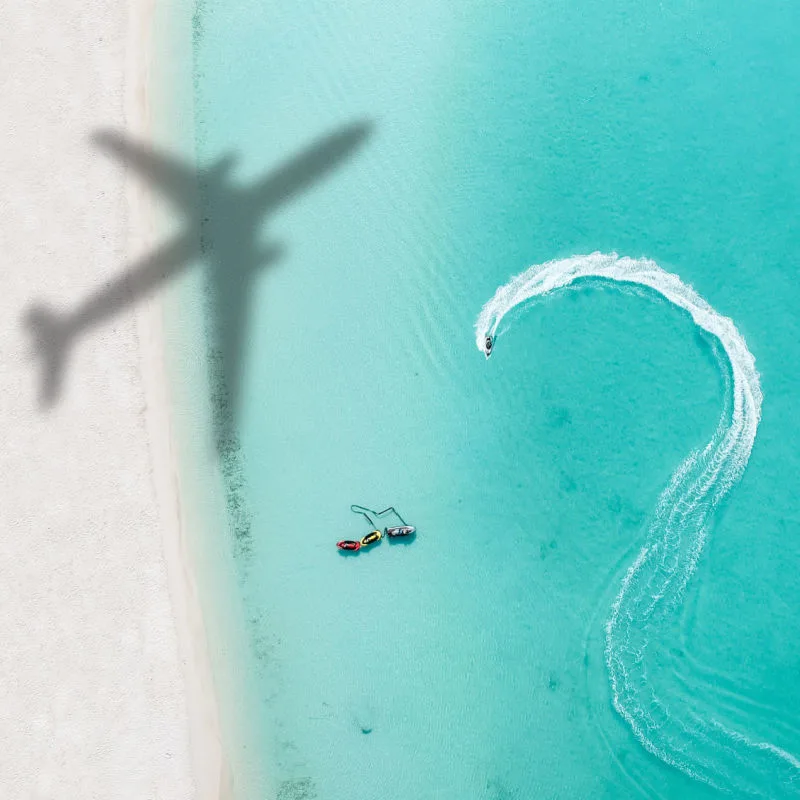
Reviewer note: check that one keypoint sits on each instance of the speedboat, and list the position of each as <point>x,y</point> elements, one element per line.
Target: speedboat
<point>400,530</point>
<point>371,538</point>
<point>349,544</point>
<point>488,344</point>
<point>372,516</point>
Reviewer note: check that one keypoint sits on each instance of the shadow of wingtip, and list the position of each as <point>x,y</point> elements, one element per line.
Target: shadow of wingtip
<point>110,142</point>
<point>199,195</point>
<point>103,137</point>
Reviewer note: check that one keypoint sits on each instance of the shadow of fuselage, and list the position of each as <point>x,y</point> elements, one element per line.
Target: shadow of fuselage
<point>222,222</point>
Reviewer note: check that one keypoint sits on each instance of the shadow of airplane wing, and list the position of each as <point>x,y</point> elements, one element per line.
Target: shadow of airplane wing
<point>176,180</point>
<point>307,167</point>
<point>232,290</point>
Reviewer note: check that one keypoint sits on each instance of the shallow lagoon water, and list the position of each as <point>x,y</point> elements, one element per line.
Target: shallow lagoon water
<point>469,663</point>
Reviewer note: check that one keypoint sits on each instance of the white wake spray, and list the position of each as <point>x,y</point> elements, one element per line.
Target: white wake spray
<point>653,586</point>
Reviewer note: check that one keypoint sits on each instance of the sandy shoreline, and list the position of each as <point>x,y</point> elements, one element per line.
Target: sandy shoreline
<point>209,767</point>
<point>107,687</point>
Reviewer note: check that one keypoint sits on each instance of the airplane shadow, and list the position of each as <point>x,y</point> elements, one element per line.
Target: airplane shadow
<point>222,227</point>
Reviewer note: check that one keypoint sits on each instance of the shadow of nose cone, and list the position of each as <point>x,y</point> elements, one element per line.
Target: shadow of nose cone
<point>358,131</point>
<point>349,138</point>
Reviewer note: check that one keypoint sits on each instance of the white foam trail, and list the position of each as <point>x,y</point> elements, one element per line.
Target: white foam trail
<point>655,582</point>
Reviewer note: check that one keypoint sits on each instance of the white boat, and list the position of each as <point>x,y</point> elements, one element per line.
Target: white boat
<point>401,530</point>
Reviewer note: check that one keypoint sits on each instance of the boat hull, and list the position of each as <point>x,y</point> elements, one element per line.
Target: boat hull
<point>401,530</point>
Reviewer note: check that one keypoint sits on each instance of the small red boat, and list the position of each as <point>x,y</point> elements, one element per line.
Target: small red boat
<point>348,544</point>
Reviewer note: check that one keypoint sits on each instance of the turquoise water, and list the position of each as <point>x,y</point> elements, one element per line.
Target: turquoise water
<point>471,663</point>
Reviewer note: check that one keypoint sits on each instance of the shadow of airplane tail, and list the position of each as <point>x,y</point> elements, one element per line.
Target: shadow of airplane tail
<point>223,223</point>
<point>51,339</point>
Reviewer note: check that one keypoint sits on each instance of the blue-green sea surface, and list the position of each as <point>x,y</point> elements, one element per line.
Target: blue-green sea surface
<point>470,663</point>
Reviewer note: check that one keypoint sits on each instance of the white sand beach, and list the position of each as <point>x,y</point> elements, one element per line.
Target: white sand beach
<point>105,688</point>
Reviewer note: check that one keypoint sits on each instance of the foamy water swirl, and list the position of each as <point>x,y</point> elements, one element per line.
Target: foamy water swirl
<point>653,586</point>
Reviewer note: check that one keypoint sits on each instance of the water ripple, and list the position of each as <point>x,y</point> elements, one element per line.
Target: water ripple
<point>653,587</point>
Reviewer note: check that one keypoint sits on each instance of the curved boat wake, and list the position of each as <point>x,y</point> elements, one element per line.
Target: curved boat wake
<point>653,587</point>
